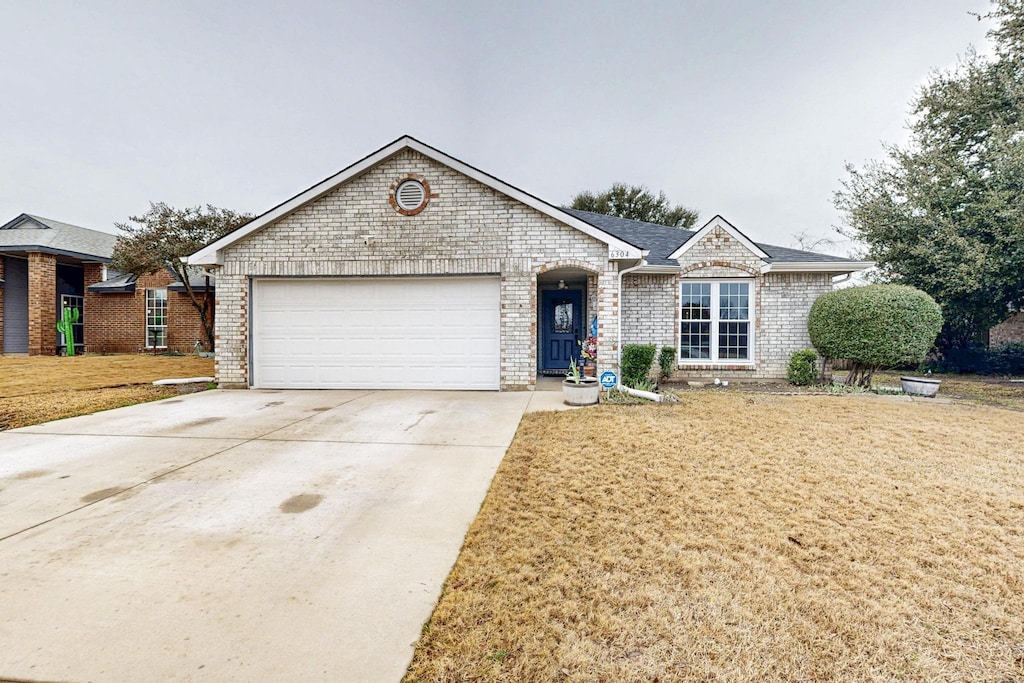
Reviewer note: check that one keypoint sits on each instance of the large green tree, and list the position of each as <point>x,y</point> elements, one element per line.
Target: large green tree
<point>163,235</point>
<point>637,203</point>
<point>945,212</point>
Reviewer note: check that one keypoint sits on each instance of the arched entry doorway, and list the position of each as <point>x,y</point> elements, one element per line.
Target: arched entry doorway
<point>566,306</point>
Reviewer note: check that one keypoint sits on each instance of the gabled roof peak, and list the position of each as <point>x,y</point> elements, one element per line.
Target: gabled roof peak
<point>210,254</point>
<point>719,223</point>
<point>19,221</point>
<point>28,232</point>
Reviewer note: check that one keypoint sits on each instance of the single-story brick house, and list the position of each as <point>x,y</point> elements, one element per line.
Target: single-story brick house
<point>47,265</point>
<point>151,313</point>
<point>412,269</point>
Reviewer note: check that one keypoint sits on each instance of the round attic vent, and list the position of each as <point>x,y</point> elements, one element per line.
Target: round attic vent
<point>410,195</point>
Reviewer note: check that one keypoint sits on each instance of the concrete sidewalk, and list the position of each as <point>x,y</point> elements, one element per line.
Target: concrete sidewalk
<point>548,396</point>
<point>239,536</point>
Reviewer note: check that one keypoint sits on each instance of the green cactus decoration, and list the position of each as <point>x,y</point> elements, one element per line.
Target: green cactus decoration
<point>69,316</point>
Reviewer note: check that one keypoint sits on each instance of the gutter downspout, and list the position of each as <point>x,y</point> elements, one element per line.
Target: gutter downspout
<point>618,360</point>
<point>844,278</point>
<point>650,396</point>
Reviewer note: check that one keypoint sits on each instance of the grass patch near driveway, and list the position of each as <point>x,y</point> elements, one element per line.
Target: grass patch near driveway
<point>42,388</point>
<point>744,537</point>
<point>22,411</point>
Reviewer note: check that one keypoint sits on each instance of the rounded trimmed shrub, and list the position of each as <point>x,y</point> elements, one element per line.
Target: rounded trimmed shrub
<point>874,326</point>
<point>803,368</point>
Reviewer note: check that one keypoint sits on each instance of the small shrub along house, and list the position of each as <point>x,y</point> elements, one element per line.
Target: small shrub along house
<point>47,266</point>
<point>413,269</point>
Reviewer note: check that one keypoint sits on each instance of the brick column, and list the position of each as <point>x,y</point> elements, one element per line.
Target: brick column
<point>231,324</point>
<point>518,330</point>
<point>1,306</point>
<point>608,321</point>
<point>91,274</point>
<point>42,304</point>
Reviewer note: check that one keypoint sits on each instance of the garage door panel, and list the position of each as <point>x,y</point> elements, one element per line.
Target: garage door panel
<point>415,333</point>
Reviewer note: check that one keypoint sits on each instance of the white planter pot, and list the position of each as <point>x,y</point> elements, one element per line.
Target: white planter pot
<point>920,386</point>
<point>583,394</point>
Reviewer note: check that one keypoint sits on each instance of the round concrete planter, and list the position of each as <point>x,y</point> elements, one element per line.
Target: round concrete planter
<point>583,394</point>
<point>920,386</point>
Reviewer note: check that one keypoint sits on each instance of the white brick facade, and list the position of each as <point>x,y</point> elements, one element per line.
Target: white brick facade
<point>649,309</point>
<point>466,229</point>
<point>782,301</point>
<point>470,228</point>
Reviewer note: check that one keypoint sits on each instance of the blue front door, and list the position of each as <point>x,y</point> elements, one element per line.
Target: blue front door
<point>561,327</point>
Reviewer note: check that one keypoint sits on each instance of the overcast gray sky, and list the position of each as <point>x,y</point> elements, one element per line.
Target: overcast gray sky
<point>747,109</point>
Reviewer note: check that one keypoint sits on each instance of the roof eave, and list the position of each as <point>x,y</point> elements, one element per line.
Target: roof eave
<point>203,258</point>
<point>178,287</point>
<point>123,289</point>
<point>816,266</point>
<point>35,248</point>
<point>648,269</point>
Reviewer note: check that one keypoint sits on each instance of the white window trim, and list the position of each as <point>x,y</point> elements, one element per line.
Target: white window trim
<point>147,326</point>
<point>715,300</point>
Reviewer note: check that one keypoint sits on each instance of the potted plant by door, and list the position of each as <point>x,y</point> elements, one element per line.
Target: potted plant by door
<point>588,356</point>
<point>578,390</point>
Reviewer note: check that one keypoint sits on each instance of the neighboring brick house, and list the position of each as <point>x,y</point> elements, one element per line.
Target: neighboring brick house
<point>153,312</point>
<point>47,265</point>
<point>411,269</point>
<point>1010,331</point>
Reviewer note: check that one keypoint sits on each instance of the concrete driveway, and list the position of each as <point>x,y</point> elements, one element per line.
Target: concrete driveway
<point>239,536</point>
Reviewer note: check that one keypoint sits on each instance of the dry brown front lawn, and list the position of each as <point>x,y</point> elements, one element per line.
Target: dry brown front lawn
<point>42,388</point>
<point>991,391</point>
<point>744,537</point>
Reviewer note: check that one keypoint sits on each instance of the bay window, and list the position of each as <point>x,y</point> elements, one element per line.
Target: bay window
<point>715,322</point>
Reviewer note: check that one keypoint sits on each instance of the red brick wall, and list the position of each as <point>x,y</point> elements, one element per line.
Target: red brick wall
<point>1011,331</point>
<point>91,274</point>
<point>116,322</point>
<point>42,304</point>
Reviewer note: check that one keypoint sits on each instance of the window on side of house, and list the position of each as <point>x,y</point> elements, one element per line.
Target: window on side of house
<point>715,322</point>
<point>156,318</point>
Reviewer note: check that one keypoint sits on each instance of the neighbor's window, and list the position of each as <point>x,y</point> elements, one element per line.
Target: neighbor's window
<point>156,318</point>
<point>715,322</point>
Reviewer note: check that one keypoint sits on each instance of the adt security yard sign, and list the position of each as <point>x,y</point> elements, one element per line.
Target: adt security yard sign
<point>609,379</point>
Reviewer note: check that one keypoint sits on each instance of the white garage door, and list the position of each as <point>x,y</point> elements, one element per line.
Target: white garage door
<point>397,333</point>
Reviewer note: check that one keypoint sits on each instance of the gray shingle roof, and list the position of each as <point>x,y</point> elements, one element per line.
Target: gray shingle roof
<point>196,278</point>
<point>662,240</point>
<point>27,232</point>
<point>116,282</point>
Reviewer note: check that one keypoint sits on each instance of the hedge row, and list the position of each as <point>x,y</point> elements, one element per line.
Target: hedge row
<point>1003,360</point>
